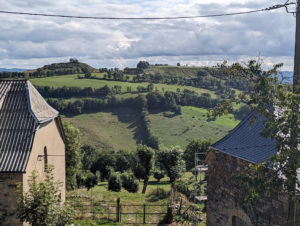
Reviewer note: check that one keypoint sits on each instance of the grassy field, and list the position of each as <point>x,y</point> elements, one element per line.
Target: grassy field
<point>73,81</point>
<point>193,123</point>
<point>112,130</point>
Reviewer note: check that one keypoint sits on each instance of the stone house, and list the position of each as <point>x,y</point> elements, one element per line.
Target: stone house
<point>231,154</point>
<point>31,136</point>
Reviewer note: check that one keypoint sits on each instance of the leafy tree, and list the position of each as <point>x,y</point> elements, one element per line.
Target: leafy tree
<point>73,60</point>
<point>195,146</point>
<point>89,156</point>
<point>280,106</point>
<point>142,65</point>
<point>171,159</point>
<point>73,156</point>
<point>123,160</point>
<point>106,161</point>
<point>144,161</point>
<point>41,204</point>
<point>158,175</point>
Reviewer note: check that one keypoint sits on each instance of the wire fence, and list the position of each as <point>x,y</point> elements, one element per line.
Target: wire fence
<point>119,212</point>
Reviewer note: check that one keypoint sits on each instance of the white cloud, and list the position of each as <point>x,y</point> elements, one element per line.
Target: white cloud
<point>30,41</point>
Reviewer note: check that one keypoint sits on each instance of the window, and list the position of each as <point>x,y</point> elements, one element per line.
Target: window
<point>45,158</point>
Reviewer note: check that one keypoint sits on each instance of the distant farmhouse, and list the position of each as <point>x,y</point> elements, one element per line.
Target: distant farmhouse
<point>31,136</point>
<point>225,200</point>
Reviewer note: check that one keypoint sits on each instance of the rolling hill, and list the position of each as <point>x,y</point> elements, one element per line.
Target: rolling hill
<point>120,127</point>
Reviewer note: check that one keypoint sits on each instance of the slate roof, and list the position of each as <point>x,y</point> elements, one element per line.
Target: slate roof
<point>245,141</point>
<point>19,120</point>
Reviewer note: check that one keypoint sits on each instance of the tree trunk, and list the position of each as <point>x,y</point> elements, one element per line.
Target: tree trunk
<point>145,185</point>
<point>291,213</point>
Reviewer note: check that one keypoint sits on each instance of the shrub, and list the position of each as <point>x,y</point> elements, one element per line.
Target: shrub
<point>129,183</point>
<point>90,181</point>
<point>114,182</point>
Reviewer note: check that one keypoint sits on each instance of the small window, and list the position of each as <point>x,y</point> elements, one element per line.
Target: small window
<point>45,158</point>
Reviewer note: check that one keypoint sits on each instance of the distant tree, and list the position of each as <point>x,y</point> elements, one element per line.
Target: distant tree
<point>171,159</point>
<point>73,156</point>
<point>144,158</point>
<point>106,161</point>
<point>123,160</point>
<point>73,60</point>
<point>150,87</point>
<point>158,174</point>
<point>178,64</point>
<point>195,146</point>
<point>89,156</point>
<point>143,65</point>
<point>41,204</point>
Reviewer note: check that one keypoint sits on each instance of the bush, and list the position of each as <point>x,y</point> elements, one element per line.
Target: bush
<point>90,181</point>
<point>158,175</point>
<point>114,182</point>
<point>183,187</point>
<point>129,183</point>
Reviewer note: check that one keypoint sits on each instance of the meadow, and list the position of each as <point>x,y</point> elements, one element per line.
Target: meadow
<point>192,123</point>
<point>73,81</point>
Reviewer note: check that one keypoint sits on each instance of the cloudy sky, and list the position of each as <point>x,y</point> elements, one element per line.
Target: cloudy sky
<point>30,42</point>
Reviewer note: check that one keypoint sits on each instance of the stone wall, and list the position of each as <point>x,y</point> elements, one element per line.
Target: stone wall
<point>8,201</point>
<point>226,205</point>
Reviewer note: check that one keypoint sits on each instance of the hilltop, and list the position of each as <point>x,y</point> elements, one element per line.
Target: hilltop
<point>71,67</point>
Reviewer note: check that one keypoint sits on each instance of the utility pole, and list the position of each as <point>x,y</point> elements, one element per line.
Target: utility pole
<point>296,77</point>
<point>296,90</point>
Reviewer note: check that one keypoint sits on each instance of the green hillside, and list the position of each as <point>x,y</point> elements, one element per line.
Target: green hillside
<point>120,127</point>
<point>182,71</point>
<point>192,123</point>
<point>113,130</point>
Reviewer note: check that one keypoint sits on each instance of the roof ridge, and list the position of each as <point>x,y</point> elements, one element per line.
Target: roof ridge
<point>35,99</point>
<point>235,128</point>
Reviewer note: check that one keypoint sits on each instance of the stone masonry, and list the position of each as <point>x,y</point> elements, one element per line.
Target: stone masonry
<point>226,205</point>
<point>8,202</point>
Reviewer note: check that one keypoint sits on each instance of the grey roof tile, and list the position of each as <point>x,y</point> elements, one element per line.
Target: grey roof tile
<point>246,142</point>
<point>22,109</point>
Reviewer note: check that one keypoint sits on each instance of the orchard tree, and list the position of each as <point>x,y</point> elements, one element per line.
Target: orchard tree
<point>144,163</point>
<point>171,159</point>
<point>276,102</point>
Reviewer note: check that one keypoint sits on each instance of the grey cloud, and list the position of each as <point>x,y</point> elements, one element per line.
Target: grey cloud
<point>268,34</point>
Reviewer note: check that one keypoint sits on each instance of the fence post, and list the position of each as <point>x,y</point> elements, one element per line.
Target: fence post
<point>144,216</point>
<point>180,206</point>
<point>92,209</point>
<point>118,211</point>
